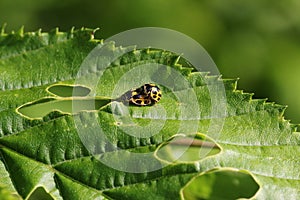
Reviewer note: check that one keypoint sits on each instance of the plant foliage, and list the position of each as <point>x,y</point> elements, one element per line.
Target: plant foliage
<point>257,148</point>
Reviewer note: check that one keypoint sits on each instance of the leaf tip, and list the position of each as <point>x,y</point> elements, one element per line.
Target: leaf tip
<point>39,32</point>
<point>20,32</point>
<point>93,32</point>
<point>2,31</point>
<point>281,108</point>
<point>72,29</point>
<point>295,127</point>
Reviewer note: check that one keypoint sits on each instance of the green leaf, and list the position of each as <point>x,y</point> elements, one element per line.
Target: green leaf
<point>79,149</point>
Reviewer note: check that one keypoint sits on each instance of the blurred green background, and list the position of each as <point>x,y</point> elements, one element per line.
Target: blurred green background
<point>257,41</point>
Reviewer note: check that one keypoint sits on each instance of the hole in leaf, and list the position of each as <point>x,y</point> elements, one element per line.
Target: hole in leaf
<point>40,108</point>
<point>40,193</point>
<point>69,90</point>
<point>225,184</point>
<point>183,148</point>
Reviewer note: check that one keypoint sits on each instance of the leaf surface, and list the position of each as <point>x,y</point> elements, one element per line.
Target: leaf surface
<point>67,153</point>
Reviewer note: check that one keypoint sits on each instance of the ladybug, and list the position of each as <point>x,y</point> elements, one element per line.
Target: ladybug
<point>153,91</point>
<point>144,95</point>
<point>141,100</point>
